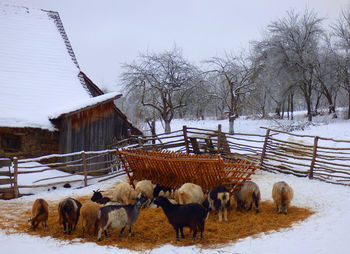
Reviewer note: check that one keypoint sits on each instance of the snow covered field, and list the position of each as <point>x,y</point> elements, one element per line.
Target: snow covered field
<point>327,231</point>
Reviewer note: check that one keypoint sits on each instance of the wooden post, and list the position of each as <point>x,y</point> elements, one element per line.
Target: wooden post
<point>184,130</point>
<point>219,138</point>
<point>15,177</point>
<point>311,171</point>
<point>264,147</point>
<point>83,156</point>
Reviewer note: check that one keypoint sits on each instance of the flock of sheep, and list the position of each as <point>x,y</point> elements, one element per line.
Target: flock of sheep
<point>184,207</point>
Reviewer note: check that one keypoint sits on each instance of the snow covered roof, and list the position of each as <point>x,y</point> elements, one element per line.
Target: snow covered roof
<point>38,69</point>
<point>84,104</point>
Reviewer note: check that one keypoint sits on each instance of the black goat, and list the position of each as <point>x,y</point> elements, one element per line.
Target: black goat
<point>98,198</point>
<point>179,216</point>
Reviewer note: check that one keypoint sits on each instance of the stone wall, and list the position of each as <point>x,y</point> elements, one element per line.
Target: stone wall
<point>27,142</point>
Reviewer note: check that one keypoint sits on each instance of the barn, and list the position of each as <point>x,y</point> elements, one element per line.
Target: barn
<point>47,104</point>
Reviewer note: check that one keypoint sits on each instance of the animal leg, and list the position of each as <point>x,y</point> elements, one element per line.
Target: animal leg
<point>285,209</point>
<point>250,206</point>
<point>257,206</point>
<point>182,232</point>
<point>195,234</point>
<point>220,215</point>
<point>121,231</point>
<point>177,233</point>
<point>99,234</point>
<point>225,214</point>
<point>64,228</point>
<point>130,234</point>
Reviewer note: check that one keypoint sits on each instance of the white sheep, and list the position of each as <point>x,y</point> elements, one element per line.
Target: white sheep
<point>146,187</point>
<point>189,193</point>
<point>247,195</point>
<point>124,193</point>
<point>282,194</point>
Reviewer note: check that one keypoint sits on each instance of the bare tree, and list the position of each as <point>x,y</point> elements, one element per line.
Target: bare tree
<point>163,80</point>
<point>342,32</point>
<point>295,40</point>
<point>235,76</point>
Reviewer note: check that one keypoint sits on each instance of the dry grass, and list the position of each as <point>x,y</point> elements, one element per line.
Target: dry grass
<point>153,229</point>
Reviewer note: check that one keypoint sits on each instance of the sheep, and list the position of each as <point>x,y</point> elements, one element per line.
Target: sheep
<point>160,190</point>
<point>98,198</point>
<point>189,193</point>
<point>189,215</point>
<point>89,218</point>
<point>119,216</point>
<point>124,193</point>
<point>282,194</point>
<point>69,212</point>
<point>146,187</point>
<point>247,195</point>
<point>40,213</point>
<point>219,200</point>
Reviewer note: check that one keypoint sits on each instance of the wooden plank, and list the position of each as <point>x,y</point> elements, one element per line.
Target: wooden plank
<point>195,145</point>
<point>6,181</point>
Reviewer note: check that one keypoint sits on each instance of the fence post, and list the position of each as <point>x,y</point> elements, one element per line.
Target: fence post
<point>83,156</point>
<point>184,130</point>
<point>311,172</point>
<point>15,177</point>
<point>219,138</point>
<point>264,147</point>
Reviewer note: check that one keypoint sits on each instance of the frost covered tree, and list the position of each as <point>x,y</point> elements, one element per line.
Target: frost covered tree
<point>294,41</point>
<point>163,81</point>
<point>235,79</point>
<point>342,32</point>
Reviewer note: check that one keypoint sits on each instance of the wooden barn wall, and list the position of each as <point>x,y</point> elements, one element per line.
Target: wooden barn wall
<point>93,129</point>
<point>33,142</point>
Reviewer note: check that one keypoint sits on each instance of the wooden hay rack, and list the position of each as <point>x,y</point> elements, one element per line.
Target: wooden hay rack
<point>172,169</point>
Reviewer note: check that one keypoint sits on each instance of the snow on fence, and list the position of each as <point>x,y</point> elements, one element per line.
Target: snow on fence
<point>315,157</point>
<point>59,169</point>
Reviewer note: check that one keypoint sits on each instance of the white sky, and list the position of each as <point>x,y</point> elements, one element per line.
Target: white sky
<point>106,33</point>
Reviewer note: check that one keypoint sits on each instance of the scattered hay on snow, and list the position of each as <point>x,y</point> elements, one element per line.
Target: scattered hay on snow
<point>152,229</point>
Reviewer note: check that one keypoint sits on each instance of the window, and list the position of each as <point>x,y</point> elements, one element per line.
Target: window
<point>10,142</point>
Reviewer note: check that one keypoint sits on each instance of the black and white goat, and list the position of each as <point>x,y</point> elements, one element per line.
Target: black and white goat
<point>98,198</point>
<point>68,213</point>
<point>190,215</point>
<point>219,200</point>
<point>119,216</point>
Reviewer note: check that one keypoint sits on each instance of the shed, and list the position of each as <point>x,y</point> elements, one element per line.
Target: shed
<point>48,105</point>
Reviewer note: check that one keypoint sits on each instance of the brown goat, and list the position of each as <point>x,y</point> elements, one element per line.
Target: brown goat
<point>282,194</point>
<point>89,219</point>
<point>40,213</point>
<point>68,213</point>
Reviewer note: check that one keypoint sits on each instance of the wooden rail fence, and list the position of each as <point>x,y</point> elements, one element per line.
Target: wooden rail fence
<point>315,157</point>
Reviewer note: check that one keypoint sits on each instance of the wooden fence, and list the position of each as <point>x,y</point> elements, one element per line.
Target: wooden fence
<point>315,157</point>
<point>277,151</point>
<point>75,164</point>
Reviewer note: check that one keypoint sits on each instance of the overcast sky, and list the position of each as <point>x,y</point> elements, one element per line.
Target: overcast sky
<point>107,33</point>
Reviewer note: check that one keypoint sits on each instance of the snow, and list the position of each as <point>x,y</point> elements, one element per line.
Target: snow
<point>326,231</point>
<point>37,74</point>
